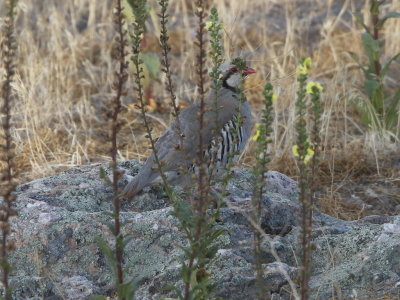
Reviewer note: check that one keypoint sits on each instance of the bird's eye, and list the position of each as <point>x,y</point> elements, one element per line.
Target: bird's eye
<point>233,70</point>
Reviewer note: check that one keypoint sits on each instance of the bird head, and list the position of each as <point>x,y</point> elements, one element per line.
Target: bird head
<point>233,72</point>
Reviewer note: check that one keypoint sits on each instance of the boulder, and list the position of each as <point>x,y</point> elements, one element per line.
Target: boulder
<point>60,218</point>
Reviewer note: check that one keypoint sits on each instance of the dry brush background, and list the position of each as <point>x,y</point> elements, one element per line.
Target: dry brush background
<point>65,72</point>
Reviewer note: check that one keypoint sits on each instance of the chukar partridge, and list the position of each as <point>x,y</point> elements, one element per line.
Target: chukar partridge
<point>220,144</point>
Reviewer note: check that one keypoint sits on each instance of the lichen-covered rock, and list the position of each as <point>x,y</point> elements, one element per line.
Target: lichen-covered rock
<point>60,218</point>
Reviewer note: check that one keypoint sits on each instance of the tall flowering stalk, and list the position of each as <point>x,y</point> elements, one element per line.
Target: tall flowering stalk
<point>214,28</point>
<point>119,54</point>
<point>125,289</point>
<point>201,83</point>
<point>201,203</point>
<point>306,150</point>
<point>303,151</point>
<point>314,89</point>
<point>262,139</point>
<point>8,51</point>
<point>198,224</point>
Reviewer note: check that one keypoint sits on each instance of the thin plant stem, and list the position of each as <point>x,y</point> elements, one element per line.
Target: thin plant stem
<point>216,84</point>
<point>201,61</point>
<point>316,111</point>
<point>202,190</point>
<point>262,138</point>
<point>119,54</point>
<point>8,51</point>
<point>302,150</point>
<point>166,63</point>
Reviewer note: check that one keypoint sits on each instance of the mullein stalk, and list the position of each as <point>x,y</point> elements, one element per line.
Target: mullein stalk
<point>202,199</point>
<point>262,139</point>
<point>121,76</point>
<point>214,28</point>
<point>201,72</point>
<point>8,49</point>
<point>303,146</point>
<point>314,89</point>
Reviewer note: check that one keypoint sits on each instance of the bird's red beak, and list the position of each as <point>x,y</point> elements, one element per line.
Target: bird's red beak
<point>248,71</point>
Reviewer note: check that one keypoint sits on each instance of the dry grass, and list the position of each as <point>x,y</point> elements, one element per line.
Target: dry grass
<point>65,72</point>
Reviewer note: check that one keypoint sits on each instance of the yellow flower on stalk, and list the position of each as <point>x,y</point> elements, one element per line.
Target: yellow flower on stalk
<point>304,67</point>
<point>274,97</point>
<point>311,85</point>
<point>258,132</point>
<point>309,155</point>
<point>208,25</point>
<point>257,136</point>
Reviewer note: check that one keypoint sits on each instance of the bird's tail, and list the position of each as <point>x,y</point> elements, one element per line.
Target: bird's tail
<point>138,183</point>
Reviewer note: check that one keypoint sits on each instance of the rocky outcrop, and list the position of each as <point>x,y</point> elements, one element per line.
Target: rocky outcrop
<point>60,217</point>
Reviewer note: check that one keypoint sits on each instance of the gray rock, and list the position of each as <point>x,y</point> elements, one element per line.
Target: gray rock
<point>60,217</point>
<point>77,287</point>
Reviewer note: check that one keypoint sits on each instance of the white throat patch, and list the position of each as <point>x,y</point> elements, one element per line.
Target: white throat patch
<point>234,80</point>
